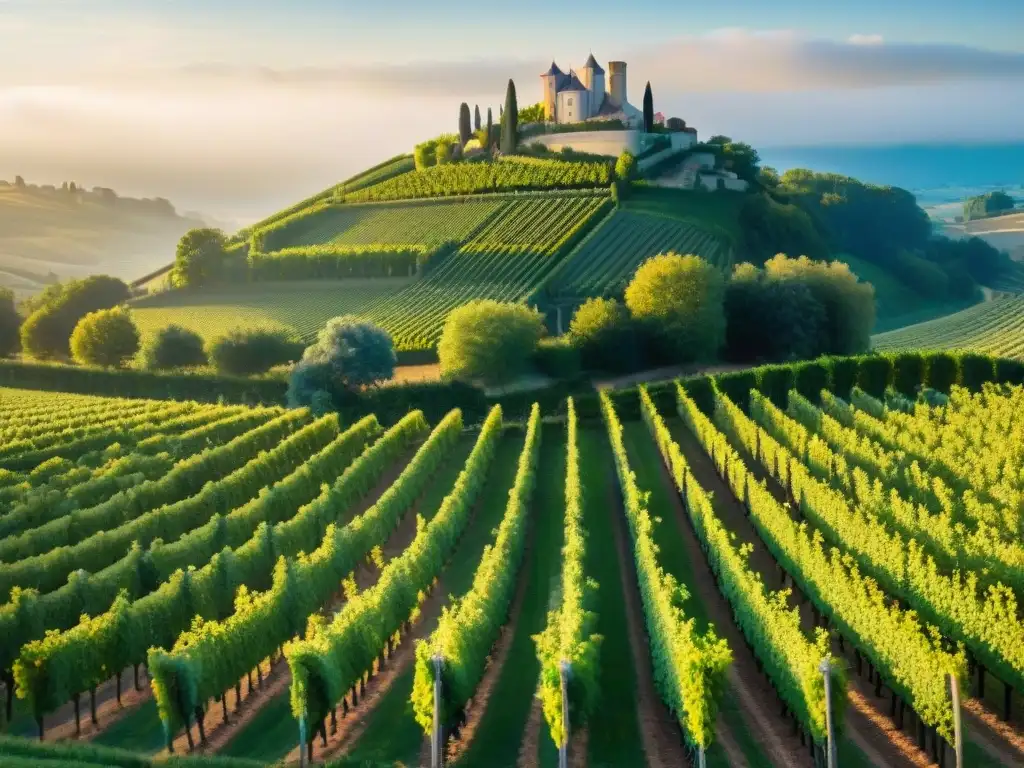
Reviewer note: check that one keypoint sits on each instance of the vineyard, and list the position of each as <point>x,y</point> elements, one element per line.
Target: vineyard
<point>696,559</point>
<point>995,327</point>
<point>605,263</point>
<point>508,174</point>
<point>510,254</point>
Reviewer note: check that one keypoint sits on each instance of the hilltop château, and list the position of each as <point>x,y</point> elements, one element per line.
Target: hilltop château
<point>573,98</point>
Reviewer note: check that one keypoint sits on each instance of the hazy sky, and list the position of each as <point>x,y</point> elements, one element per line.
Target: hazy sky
<point>235,108</point>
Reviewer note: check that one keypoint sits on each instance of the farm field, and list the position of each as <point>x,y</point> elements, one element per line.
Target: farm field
<point>995,327</point>
<point>605,263</point>
<point>218,577</point>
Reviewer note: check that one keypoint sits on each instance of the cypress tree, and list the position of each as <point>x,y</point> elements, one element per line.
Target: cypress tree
<point>476,117</point>
<point>465,131</point>
<point>648,109</point>
<point>510,121</point>
<point>490,130</point>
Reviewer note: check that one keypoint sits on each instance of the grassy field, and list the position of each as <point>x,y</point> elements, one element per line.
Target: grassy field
<point>995,327</point>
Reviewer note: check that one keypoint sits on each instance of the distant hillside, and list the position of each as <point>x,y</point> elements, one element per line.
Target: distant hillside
<point>1005,232</point>
<point>49,234</point>
<point>995,327</point>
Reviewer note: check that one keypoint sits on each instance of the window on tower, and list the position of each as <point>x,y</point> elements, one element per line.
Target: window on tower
<point>570,102</point>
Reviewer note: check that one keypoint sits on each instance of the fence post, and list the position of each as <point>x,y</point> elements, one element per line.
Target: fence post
<point>435,737</point>
<point>302,742</point>
<point>564,668</point>
<point>830,747</point>
<point>701,760</point>
<point>958,741</point>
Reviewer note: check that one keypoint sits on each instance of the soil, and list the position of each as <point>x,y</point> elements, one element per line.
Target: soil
<point>662,741</point>
<point>531,737</point>
<point>61,724</point>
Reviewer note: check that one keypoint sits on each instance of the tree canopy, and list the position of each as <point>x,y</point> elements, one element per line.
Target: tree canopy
<point>174,347</point>
<point>681,300</point>
<point>489,341</point>
<point>10,324</point>
<point>107,337</point>
<point>200,258</point>
<point>47,330</point>
<point>510,121</point>
<point>245,352</point>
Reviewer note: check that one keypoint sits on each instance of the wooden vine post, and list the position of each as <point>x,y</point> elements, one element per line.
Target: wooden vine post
<point>302,741</point>
<point>435,736</point>
<point>564,669</point>
<point>830,746</point>
<point>958,736</point>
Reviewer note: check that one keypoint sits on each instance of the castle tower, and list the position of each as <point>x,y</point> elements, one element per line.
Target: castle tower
<point>617,83</point>
<point>550,81</point>
<point>593,79</point>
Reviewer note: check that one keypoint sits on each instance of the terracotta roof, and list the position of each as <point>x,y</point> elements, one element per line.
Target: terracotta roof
<point>592,64</point>
<point>553,71</point>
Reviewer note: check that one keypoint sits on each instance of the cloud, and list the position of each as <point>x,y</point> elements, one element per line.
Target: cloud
<point>730,60</point>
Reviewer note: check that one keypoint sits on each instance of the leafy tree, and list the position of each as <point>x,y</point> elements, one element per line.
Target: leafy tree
<point>510,122</point>
<point>465,124</point>
<point>107,338</point>
<point>532,114</point>
<point>10,324</point>
<point>47,330</point>
<point>200,258</point>
<point>476,117</point>
<point>247,352</point>
<point>980,206</point>
<point>648,109</point>
<point>768,227</point>
<point>443,154</point>
<point>848,304</point>
<point>174,347</point>
<point>489,341</point>
<point>681,300</point>
<point>625,166</point>
<point>768,177</point>
<point>605,335</point>
<point>770,320</point>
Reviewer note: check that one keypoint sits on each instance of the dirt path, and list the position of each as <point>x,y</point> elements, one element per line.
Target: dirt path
<point>662,742</point>
<point>531,737</point>
<point>1000,740</point>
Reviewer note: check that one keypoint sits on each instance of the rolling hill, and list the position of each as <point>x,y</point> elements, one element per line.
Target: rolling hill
<point>49,234</point>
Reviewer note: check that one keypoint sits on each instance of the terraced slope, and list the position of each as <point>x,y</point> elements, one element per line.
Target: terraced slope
<point>995,327</point>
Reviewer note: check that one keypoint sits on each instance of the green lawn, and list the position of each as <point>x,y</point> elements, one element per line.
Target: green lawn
<point>500,731</point>
<point>392,735</point>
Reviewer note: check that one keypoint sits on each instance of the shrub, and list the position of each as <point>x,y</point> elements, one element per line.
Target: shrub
<point>737,385</point>
<point>1009,371</point>
<point>10,324</point>
<point>349,353</point>
<point>46,332</point>
<point>874,373</point>
<point>941,371</point>
<point>558,358</point>
<point>248,352</point>
<point>489,341</point>
<point>625,166</point>
<point>681,299</point>
<point>809,378</point>
<point>908,370</point>
<point>975,370</point>
<point>842,374</point>
<point>774,382</point>
<point>199,258</point>
<point>174,347</point>
<point>106,338</point>
<point>605,335</point>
